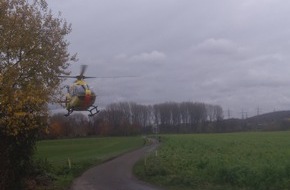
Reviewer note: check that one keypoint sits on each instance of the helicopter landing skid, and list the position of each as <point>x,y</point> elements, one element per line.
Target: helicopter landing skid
<point>93,110</point>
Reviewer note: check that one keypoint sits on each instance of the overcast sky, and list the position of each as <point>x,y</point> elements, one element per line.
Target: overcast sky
<point>234,53</point>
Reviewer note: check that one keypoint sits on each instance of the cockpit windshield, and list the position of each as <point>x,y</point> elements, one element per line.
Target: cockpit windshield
<point>78,90</point>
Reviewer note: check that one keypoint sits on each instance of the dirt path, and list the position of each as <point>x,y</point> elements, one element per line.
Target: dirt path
<point>115,174</point>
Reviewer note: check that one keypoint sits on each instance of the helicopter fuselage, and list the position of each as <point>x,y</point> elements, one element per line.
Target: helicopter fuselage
<point>80,97</point>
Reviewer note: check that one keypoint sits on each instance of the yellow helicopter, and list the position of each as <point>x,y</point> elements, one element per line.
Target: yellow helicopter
<point>79,96</point>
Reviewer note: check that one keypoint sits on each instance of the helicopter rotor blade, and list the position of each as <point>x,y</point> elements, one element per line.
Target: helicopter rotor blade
<point>83,70</point>
<point>113,77</point>
<point>71,77</point>
<point>85,77</point>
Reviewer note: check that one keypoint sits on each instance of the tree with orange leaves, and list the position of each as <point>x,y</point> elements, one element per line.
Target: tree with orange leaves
<point>33,53</point>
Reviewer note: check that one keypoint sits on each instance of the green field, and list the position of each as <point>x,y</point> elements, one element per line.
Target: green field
<point>220,161</point>
<point>65,159</point>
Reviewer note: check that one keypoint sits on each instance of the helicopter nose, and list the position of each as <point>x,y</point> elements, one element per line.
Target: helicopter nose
<point>87,99</point>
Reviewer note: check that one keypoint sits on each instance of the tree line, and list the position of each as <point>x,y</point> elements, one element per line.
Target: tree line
<point>129,118</point>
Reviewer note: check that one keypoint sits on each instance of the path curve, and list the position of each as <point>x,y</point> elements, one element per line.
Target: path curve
<point>115,174</point>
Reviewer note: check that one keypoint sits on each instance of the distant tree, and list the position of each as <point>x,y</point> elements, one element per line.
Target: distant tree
<point>122,118</point>
<point>165,114</point>
<point>129,118</point>
<point>214,112</point>
<point>210,112</point>
<point>114,117</point>
<point>156,114</point>
<point>33,52</point>
<point>218,113</point>
<point>175,112</point>
<point>199,114</point>
<point>57,127</point>
<point>140,114</point>
<point>218,117</point>
<point>78,125</point>
<point>184,112</point>
<point>185,117</point>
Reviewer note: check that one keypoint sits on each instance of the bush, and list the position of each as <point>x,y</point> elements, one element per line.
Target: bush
<point>15,158</point>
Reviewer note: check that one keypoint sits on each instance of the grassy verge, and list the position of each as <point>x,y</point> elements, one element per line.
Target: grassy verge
<point>220,161</point>
<point>66,159</point>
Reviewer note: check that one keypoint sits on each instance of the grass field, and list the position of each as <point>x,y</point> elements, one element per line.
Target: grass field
<point>65,159</point>
<point>220,161</point>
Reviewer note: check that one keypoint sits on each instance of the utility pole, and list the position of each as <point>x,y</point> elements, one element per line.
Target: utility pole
<point>244,114</point>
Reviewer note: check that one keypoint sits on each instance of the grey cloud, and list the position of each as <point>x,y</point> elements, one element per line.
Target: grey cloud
<point>216,46</point>
<point>232,53</point>
<point>153,56</point>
